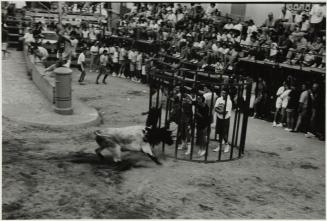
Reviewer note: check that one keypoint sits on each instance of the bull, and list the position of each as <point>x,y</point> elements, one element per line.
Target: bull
<point>133,138</point>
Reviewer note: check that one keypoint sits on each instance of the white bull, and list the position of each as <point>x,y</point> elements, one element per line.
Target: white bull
<point>133,138</point>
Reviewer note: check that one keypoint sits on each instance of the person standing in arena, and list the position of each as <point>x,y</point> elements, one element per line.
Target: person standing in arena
<point>103,67</point>
<point>81,66</point>
<point>223,108</point>
<point>122,62</point>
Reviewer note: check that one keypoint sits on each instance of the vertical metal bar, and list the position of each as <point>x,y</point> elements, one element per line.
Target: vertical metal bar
<point>166,116</point>
<point>234,130</point>
<point>180,117</point>
<point>193,117</point>
<point>150,94</point>
<point>245,118</point>
<point>209,127</point>
<point>237,118</point>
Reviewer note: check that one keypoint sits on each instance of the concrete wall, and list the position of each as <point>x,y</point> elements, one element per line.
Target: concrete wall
<point>44,83</point>
<point>259,12</point>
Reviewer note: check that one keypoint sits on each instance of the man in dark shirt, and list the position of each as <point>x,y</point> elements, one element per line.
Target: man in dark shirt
<point>203,121</point>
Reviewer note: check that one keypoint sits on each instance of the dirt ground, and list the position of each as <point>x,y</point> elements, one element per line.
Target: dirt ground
<point>54,174</point>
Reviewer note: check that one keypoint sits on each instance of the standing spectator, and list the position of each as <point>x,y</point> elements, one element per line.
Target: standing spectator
<point>132,61</point>
<point>94,50</point>
<point>81,65</point>
<point>104,61</point>
<point>122,61</point>
<point>202,119</point>
<point>317,14</point>
<point>260,98</point>
<point>279,102</point>
<point>115,63</point>
<point>314,96</point>
<point>223,108</point>
<point>139,60</point>
<point>303,106</point>
<point>291,107</point>
<point>28,37</point>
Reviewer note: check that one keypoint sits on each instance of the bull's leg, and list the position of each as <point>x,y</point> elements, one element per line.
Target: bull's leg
<point>116,153</point>
<point>98,152</point>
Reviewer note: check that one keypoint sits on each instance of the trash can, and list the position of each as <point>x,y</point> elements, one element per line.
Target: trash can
<point>63,91</point>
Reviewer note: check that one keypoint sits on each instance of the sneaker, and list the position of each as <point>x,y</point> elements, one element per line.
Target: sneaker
<point>287,129</point>
<point>279,125</point>
<point>180,147</point>
<point>274,124</point>
<point>202,153</point>
<point>216,150</point>
<point>227,148</point>
<point>114,74</point>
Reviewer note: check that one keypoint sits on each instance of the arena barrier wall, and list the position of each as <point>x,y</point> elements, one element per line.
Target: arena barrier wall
<point>43,82</point>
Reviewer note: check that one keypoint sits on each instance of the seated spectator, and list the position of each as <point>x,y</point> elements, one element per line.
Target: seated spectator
<point>286,15</point>
<point>269,22</point>
<point>211,10</point>
<point>229,25</point>
<point>298,16</point>
<point>294,55</point>
<point>304,23</point>
<point>251,28</point>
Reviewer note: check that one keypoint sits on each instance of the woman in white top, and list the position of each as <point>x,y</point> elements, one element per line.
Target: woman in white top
<point>139,59</point>
<point>115,57</point>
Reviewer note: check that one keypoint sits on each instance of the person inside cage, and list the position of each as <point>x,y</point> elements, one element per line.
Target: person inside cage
<point>223,109</point>
<point>203,121</point>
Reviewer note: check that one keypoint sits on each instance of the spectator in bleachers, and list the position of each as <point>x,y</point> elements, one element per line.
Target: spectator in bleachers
<point>317,14</point>
<point>269,22</point>
<point>286,15</point>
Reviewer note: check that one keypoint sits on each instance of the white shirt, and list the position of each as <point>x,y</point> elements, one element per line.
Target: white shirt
<point>102,49</point>
<point>29,37</point>
<point>251,29</point>
<point>317,13</point>
<point>94,50</point>
<point>238,27</point>
<point>221,102</point>
<point>81,58</point>
<point>43,53</point>
<point>288,15</point>
<point>74,44</point>
<point>115,57</point>
<point>228,26</point>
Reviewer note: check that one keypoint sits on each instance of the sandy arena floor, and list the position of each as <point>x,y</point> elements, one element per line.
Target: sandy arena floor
<point>54,174</point>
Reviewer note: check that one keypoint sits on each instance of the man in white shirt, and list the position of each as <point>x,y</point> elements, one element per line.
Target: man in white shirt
<point>229,25</point>
<point>211,10</point>
<point>81,66</point>
<point>317,14</point>
<point>223,109</point>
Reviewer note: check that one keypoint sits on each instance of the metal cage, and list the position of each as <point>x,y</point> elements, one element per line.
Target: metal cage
<point>163,86</point>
